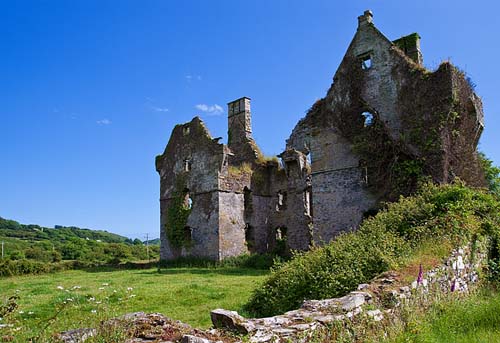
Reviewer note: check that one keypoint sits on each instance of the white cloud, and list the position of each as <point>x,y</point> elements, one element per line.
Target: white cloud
<point>190,78</point>
<point>160,109</point>
<point>214,110</point>
<point>104,121</point>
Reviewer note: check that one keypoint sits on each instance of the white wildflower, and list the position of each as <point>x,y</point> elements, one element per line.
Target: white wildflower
<point>93,311</point>
<point>101,288</point>
<point>105,284</point>
<point>60,287</point>
<point>130,289</point>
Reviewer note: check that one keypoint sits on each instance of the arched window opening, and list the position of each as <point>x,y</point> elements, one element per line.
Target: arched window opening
<point>368,118</point>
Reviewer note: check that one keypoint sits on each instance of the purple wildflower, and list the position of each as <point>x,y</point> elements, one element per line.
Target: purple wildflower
<point>420,275</point>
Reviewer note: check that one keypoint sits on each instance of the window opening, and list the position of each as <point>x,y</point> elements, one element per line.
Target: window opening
<point>282,198</point>
<point>309,158</point>
<point>308,201</point>
<point>249,237</point>
<point>188,234</point>
<point>247,199</point>
<point>368,118</point>
<point>186,130</point>
<point>281,233</point>
<point>188,202</point>
<point>281,241</point>
<point>366,62</point>
<point>187,165</point>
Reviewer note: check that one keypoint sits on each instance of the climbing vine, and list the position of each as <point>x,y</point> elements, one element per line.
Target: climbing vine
<point>178,212</point>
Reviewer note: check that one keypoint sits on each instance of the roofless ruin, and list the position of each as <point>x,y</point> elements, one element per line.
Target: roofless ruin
<point>385,123</point>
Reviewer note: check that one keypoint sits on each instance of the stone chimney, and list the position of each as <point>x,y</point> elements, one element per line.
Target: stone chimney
<point>239,121</point>
<point>365,19</point>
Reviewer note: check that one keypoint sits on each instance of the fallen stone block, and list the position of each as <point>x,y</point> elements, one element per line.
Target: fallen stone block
<point>232,321</point>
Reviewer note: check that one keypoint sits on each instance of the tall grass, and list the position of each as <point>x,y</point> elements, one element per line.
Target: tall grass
<point>473,319</point>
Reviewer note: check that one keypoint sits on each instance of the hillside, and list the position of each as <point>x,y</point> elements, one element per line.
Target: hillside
<point>35,249</point>
<point>31,232</point>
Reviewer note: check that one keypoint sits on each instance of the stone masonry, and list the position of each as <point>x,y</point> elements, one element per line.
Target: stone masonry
<point>383,117</point>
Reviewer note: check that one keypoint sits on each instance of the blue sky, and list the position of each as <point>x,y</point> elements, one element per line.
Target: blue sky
<point>91,89</point>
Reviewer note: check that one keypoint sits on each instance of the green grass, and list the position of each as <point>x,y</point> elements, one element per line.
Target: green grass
<point>186,294</point>
<point>475,319</point>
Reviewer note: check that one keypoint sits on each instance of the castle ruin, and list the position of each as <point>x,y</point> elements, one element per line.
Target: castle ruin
<point>384,124</point>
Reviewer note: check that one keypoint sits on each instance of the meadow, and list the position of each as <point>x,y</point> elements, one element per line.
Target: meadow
<point>75,298</point>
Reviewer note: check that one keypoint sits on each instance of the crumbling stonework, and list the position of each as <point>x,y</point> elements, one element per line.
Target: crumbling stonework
<point>385,122</point>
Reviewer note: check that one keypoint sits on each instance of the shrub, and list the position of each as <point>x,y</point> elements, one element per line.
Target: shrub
<point>437,213</point>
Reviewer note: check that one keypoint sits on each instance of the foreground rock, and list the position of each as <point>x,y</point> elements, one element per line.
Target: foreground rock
<point>140,327</point>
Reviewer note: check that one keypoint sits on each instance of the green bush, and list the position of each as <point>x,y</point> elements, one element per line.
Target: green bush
<point>437,213</point>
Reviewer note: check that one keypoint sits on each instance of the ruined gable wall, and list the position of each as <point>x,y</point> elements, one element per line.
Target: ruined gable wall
<point>193,142</point>
<point>423,123</point>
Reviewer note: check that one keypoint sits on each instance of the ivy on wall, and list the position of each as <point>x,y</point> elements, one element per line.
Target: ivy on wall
<point>178,212</point>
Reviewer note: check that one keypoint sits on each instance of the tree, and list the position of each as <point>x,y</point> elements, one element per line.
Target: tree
<point>491,173</point>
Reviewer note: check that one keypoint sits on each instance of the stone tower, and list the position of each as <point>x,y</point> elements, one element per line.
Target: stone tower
<point>239,133</point>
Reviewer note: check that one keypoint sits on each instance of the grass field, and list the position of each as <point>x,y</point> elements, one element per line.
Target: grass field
<point>84,298</point>
<point>474,319</point>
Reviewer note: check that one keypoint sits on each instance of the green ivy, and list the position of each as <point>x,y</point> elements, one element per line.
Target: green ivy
<point>178,212</point>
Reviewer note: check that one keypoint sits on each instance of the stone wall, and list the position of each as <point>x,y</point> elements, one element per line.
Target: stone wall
<point>459,273</point>
<point>231,225</point>
<point>344,190</point>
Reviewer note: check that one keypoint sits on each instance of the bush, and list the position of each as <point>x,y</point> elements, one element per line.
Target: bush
<point>450,212</point>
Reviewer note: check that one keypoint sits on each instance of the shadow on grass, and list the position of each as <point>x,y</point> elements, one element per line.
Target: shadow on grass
<point>118,267</point>
<point>152,268</point>
<point>235,271</point>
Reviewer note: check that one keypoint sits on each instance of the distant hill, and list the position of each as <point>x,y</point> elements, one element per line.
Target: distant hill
<point>31,232</point>
<point>153,241</point>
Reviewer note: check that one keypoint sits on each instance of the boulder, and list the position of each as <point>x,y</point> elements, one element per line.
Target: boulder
<point>232,321</point>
